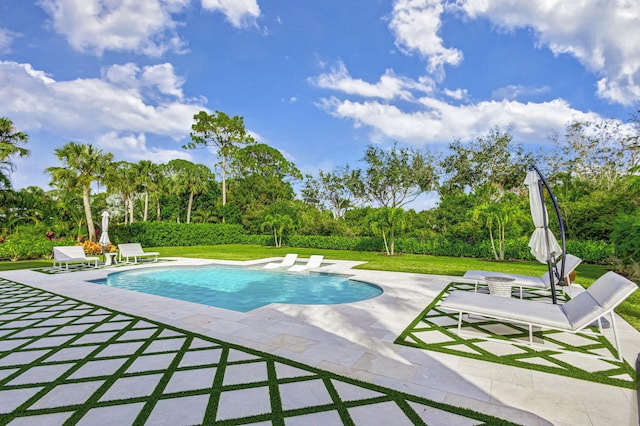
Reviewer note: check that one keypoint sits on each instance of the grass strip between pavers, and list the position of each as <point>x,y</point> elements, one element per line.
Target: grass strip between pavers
<point>443,323</point>
<point>38,315</point>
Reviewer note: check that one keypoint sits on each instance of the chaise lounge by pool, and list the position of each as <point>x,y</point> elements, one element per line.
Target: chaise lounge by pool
<point>242,289</point>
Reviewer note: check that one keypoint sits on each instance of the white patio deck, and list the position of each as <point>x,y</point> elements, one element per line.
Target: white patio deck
<point>356,340</point>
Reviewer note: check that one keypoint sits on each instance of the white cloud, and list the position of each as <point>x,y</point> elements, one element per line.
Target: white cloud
<point>457,94</point>
<point>240,13</point>
<point>159,78</point>
<point>133,147</point>
<point>440,122</point>
<point>603,35</point>
<point>163,78</point>
<point>416,24</point>
<point>86,107</point>
<point>120,25</point>
<point>389,87</point>
<point>515,91</point>
<point>6,38</point>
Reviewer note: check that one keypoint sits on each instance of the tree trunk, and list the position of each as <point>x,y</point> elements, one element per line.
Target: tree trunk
<point>86,194</point>
<point>224,185</point>
<point>146,205</point>
<point>386,247</point>
<point>130,210</point>
<point>392,241</point>
<point>502,240</point>
<point>493,245</point>
<point>189,207</point>
<point>158,215</point>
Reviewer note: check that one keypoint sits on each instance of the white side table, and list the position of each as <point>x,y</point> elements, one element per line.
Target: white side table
<point>110,258</point>
<point>500,286</point>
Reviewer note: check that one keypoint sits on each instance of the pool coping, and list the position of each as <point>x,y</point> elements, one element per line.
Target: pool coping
<point>356,340</point>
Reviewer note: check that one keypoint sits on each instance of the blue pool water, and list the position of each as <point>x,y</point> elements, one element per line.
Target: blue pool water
<point>242,289</point>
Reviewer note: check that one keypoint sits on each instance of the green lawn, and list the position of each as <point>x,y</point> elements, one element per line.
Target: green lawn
<point>440,265</point>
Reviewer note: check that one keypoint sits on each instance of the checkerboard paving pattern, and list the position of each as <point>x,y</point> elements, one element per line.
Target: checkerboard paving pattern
<point>63,361</point>
<point>587,355</point>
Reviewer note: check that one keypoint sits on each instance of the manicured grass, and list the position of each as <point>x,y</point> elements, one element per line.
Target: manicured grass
<point>438,265</point>
<point>417,263</point>
<point>24,264</point>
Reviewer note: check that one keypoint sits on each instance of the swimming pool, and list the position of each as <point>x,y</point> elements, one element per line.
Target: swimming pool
<point>242,289</point>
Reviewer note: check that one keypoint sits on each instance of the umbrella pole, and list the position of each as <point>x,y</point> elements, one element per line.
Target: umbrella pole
<point>551,259</point>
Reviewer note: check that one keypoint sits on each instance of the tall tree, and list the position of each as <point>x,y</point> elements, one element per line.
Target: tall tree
<point>146,172</point>
<point>396,177</point>
<point>120,178</point>
<point>337,191</point>
<point>598,153</point>
<point>190,178</point>
<point>10,141</point>
<point>492,159</point>
<point>262,176</point>
<point>161,184</point>
<point>83,164</point>
<point>223,132</point>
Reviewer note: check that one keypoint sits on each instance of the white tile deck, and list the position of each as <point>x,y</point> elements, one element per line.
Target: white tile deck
<point>355,340</point>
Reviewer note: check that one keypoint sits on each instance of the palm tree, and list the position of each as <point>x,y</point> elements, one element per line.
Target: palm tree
<point>121,179</point>
<point>146,170</point>
<point>278,223</point>
<point>83,164</point>
<point>9,141</point>
<point>159,186</point>
<point>190,178</point>
<point>385,221</point>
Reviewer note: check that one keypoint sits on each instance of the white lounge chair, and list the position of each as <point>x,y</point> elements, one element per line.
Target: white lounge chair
<point>125,251</point>
<point>589,306</point>
<point>314,262</point>
<point>527,281</point>
<point>66,254</point>
<point>289,260</point>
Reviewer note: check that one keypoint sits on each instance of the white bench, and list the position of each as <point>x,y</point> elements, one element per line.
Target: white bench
<point>134,250</point>
<point>66,254</point>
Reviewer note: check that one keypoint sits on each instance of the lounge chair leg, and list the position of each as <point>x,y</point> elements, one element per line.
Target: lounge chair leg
<point>460,323</point>
<point>615,336</point>
<point>530,334</point>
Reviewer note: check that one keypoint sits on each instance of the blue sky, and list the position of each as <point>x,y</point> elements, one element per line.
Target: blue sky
<point>318,80</point>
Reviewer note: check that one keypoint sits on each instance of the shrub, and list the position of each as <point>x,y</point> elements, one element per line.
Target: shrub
<point>170,234</point>
<point>626,237</point>
<point>591,251</point>
<point>93,248</point>
<point>27,242</point>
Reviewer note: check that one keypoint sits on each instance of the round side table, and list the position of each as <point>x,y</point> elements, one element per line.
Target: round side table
<point>500,286</point>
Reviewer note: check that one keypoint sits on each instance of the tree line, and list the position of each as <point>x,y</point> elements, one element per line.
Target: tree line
<point>592,167</point>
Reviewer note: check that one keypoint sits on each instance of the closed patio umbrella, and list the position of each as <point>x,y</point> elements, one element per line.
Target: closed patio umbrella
<point>104,237</point>
<point>543,244</point>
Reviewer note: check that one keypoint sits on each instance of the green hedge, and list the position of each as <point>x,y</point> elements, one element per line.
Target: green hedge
<point>626,237</point>
<point>170,234</point>
<point>31,242</point>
